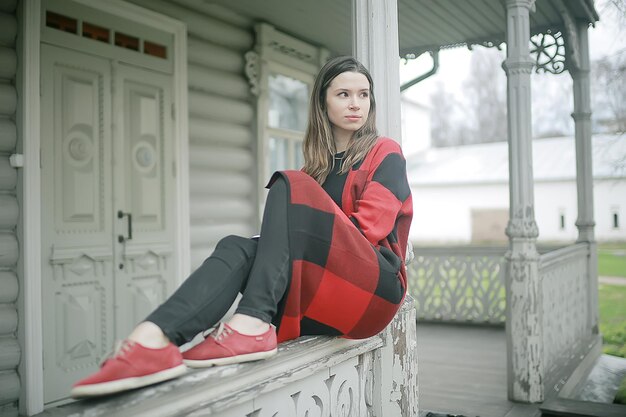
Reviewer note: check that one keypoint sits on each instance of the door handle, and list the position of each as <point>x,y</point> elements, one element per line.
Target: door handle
<point>120,215</point>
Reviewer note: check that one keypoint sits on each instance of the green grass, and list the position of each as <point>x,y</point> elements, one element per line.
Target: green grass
<point>612,259</point>
<point>612,304</point>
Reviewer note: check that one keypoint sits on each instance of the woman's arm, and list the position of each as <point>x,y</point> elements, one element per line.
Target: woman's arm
<point>376,211</point>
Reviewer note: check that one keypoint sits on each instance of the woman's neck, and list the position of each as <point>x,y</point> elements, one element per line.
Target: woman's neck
<point>341,142</point>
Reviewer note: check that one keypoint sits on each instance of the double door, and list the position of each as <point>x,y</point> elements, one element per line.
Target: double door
<point>108,209</point>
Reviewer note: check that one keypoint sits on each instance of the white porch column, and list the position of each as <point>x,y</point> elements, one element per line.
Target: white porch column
<point>582,122</point>
<point>375,45</point>
<point>584,174</point>
<point>524,296</point>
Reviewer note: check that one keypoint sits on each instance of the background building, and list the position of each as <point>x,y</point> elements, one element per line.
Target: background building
<point>461,193</point>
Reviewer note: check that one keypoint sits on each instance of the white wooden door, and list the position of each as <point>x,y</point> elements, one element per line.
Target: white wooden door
<point>144,188</point>
<point>106,149</point>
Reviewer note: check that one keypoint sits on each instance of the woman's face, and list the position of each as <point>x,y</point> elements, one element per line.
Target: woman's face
<point>348,103</point>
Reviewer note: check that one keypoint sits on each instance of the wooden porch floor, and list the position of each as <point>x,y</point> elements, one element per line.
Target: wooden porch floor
<point>462,370</point>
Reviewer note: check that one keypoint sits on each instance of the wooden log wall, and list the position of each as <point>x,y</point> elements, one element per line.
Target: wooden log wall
<point>9,214</point>
<point>222,143</point>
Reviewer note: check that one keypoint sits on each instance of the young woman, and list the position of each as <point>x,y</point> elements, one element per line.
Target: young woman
<point>329,260</point>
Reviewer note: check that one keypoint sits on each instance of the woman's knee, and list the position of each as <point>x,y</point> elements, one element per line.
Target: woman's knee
<point>236,246</point>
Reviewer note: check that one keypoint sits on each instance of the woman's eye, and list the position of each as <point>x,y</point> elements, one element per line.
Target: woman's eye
<point>343,94</point>
<point>365,95</point>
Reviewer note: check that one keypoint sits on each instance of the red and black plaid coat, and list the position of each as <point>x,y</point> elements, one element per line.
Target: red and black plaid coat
<point>347,267</point>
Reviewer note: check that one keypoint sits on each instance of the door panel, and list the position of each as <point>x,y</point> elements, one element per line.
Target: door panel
<point>77,267</point>
<point>144,147</point>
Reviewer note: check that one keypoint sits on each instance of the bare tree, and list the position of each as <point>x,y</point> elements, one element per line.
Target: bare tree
<point>486,97</point>
<point>552,105</point>
<point>609,93</point>
<point>445,127</point>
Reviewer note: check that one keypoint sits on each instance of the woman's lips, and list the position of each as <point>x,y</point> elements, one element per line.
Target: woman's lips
<point>353,118</point>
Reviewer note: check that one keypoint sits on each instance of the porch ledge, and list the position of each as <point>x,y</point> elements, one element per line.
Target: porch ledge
<point>307,373</point>
<point>215,389</point>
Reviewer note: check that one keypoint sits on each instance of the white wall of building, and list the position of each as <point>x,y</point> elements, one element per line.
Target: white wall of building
<point>442,214</point>
<point>551,200</point>
<point>612,194</point>
<point>415,123</point>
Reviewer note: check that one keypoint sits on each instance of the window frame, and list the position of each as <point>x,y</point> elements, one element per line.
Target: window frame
<point>276,52</point>
<point>267,132</point>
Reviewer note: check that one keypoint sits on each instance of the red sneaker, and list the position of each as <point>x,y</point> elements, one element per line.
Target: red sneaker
<point>226,345</point>
<point>131,366</point>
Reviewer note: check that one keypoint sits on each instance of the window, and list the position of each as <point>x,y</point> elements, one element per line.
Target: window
<point>561,219</point>
<point>615,218</point>
<point>281,70</point>
<point>286,121</point>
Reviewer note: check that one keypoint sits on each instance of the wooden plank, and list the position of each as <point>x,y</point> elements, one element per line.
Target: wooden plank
<point>9,387</point>
<point>560,407</point>
<point>9,211</point>
<point>9,287</point>
<point>8,60</point>
<point>8,250</point>
<point>8,29</point>
<point>8,98</point>
<point>9,354</point>
<point>8,135</point>
<point>462,370</point>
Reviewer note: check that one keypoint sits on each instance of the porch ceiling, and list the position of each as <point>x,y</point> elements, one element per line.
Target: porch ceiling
<point>423,24</point>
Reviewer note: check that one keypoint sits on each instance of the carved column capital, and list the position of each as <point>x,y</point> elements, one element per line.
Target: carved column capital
<point>529,4</point>
<point>518,66</point>
<point>522,228</point>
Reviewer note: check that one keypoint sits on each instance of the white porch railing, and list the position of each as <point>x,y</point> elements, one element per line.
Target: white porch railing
<point>459,284</point>
<point>567,324</point>
<point>467,284</point>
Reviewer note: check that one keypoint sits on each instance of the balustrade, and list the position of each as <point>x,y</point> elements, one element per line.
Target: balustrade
<point>459,284</point>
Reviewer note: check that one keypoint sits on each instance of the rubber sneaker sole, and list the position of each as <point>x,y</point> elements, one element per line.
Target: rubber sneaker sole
<point>247,357</point>
<point>112,387</point>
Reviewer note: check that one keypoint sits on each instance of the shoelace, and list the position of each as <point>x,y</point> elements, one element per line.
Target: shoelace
<point>120,349</point>
<point>221,332</point>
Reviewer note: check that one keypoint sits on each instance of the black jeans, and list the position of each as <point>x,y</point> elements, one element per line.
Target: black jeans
<point>257,269</point>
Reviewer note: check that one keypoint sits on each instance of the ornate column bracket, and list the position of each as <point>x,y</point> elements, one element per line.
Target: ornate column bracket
<point>572,42</point>
<point>549,51</point>
<point>253,71</point>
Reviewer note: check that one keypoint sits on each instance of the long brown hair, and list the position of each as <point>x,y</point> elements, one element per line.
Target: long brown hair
<point>319,145</point>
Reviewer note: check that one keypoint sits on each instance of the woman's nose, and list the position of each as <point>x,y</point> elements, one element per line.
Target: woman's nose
<point>354,106</point>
